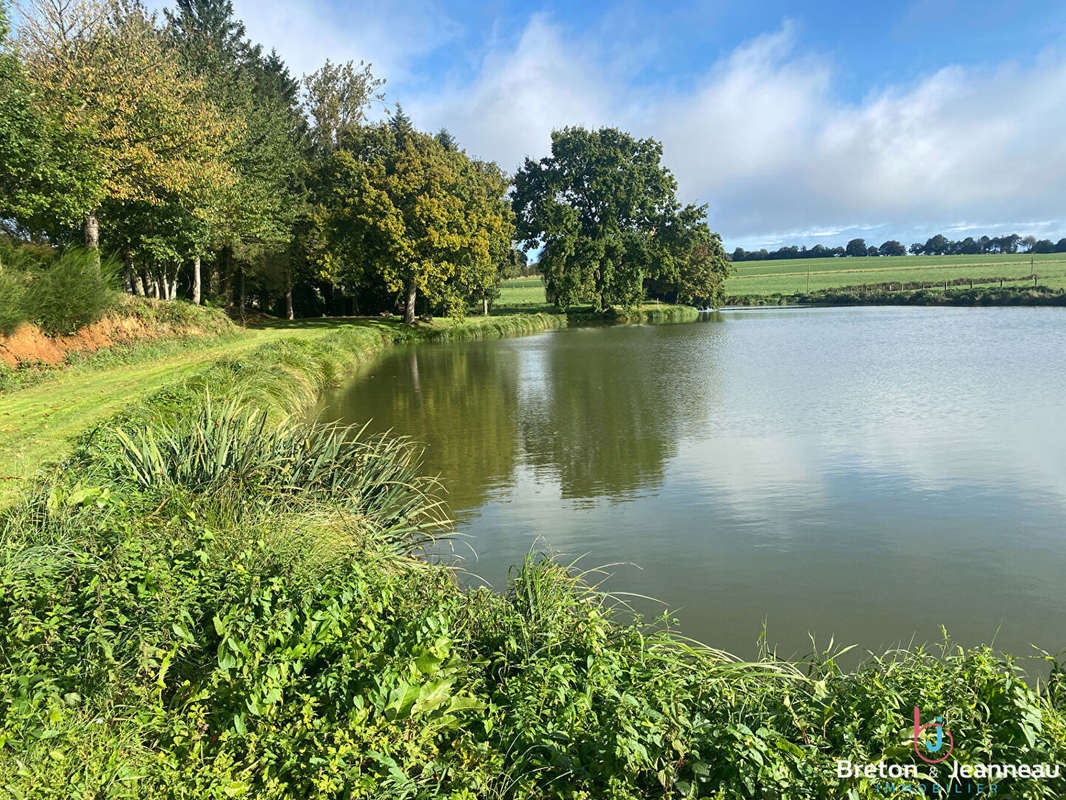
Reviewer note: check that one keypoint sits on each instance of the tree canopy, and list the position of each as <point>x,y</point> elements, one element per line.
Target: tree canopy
<point>604,211</point>
<point>176,144</point>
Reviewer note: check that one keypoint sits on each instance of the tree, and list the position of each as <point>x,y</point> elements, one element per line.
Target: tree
<point>252,223</point>
<point>856,247</point>
<point>692,263</point>
<point>594,206</point>
<point>418,218</point>
<point>144,127</point>
<point>936,246</point>
<point>892,248</point>
<point>337,97</point>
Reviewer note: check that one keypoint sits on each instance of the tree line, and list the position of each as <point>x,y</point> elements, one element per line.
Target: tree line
<point>938,245</point>
<point>197,160</point>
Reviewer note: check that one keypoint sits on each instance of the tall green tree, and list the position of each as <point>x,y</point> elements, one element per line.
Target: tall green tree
<point>105,80</point>
<point>419,218</point>
<point>252,222</point>
<point>600,207</point>
<point>46,179</point>
<point>337,97</point>
<point>593,205</point>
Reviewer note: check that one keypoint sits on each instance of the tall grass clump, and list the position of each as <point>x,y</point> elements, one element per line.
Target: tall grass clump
<point>229,453</point>
<point>58,291</point>
<point>74,290</point>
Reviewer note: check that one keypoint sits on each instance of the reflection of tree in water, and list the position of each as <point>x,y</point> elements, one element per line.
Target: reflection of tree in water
<point>460,401</point>
<point>599,410</point>
<point>608,412</point>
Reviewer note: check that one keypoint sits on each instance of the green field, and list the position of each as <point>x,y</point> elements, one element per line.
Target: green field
<point>789,276</point>
<point>522,292</point>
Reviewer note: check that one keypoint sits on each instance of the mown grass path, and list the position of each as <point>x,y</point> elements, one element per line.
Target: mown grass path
<point>38,423</point>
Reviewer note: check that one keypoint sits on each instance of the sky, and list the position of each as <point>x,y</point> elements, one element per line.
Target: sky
<point>797,122</point>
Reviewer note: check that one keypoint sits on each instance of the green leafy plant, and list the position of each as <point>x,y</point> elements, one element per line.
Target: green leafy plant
<point>75,289</point>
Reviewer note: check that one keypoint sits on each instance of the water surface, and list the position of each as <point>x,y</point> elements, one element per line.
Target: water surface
<point>864,473</point>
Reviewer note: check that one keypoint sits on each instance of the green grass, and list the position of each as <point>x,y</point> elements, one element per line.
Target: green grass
<point>38,423</point>
<point>791,276</point>
<point>522,292</point>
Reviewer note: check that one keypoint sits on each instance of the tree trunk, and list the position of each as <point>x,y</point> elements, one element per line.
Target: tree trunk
<point>412,295</point>
<point>485,306</point>
<point>214,281</point>
<point>196,280</point>
<point>133,279</point>
<point>92,231</point>
<point>288,293</point>
<point>243,292</point>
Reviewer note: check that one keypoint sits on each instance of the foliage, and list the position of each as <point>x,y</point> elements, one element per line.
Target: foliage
<point>983,296</point>
<point>337,97</point>
<point>414,216</point>
<point>216,642</point>
<point>938,245</point>
<point>145,126</point>
<point>606,214</point>
<point>202,603</point>
<point>12,299</point>
<point>59,292</point>
<point>75,290</point>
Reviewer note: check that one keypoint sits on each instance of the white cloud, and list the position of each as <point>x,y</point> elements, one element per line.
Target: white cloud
<point>764,138</point>
<point>520,95</point>
<point>390,35</point>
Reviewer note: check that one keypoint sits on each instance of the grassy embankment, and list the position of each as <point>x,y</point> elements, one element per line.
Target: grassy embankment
<point>201,604</point>
<point>525,295</point>
<point>42,409</point>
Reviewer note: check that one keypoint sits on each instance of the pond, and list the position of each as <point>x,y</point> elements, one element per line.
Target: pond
<point>868,474</point>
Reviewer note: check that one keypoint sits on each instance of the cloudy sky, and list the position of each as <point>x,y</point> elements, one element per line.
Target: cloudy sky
<point>796,121</point>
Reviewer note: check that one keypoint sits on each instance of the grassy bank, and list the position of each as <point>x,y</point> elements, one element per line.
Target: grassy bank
<point>133,329</point>
<point>979,296</point>
<point>208,601</point>
<point>293,361</point>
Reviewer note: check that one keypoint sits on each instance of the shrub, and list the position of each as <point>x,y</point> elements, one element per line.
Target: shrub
<point>12,299</point>
<point>74,290</point>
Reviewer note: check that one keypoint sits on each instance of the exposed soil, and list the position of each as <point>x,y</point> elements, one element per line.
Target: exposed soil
<point>29,345</point>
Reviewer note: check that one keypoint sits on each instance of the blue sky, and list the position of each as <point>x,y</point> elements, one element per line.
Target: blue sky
<point>798,122</point>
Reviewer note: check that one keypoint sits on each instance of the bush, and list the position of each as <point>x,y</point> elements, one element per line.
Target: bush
<point>74,290</point>
<point>12,299</point>
<point>59,292</point>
